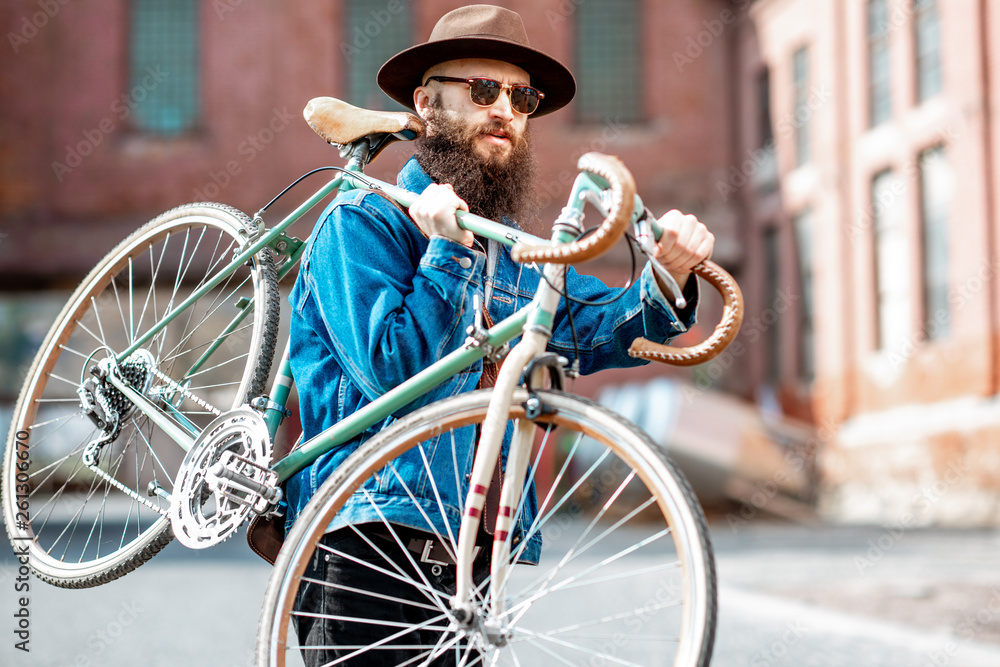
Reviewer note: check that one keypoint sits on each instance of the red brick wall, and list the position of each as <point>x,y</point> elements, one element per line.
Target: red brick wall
<point>261,62</point>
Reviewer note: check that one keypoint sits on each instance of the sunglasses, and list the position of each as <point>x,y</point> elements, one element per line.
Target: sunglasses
<point>484,92</point>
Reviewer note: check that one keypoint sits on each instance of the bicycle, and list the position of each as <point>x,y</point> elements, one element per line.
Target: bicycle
<point>144,417</point>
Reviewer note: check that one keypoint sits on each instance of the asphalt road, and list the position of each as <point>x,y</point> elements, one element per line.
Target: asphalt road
<point>789,596</point>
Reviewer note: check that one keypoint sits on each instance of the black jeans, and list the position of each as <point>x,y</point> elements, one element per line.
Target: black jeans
<point>350,597</point>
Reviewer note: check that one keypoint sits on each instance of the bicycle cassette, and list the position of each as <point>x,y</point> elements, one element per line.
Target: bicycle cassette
<point>222,479</point>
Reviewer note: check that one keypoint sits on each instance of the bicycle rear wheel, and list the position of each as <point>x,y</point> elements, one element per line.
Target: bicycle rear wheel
<point>626,574</point>
<point>85,524</point>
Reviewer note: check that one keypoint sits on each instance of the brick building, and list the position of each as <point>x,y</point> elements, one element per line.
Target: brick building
<point>116,111</point>
<point>871,196</point>
<point>843,151</point>
<point>125,108</point>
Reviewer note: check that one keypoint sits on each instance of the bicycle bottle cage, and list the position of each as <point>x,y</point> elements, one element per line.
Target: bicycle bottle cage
<point>347,126</point>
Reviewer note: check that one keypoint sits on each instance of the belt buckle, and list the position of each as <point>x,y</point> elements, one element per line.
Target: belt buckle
<point>426,554</point>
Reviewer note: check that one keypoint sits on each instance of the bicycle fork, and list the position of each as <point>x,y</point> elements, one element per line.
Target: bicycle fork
<point>537,332</point>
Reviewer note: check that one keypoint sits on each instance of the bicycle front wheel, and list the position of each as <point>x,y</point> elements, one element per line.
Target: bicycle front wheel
<point>86,521</point>
<point>626,574</point>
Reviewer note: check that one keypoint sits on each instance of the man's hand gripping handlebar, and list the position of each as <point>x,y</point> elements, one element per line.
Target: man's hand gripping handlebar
<point>621,201</point>
<point>342,124</point>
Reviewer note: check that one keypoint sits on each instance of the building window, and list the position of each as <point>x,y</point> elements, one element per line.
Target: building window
<point>879,77</point>
<point>766,130</point>
<point>800,90</point>
<point>927,43</point>
<point>164,76</point>
<point>804,244</point>
<point>765,177</point>
<point>936,190</point>
<point>772,277</point>
<point>608,64</point>
<point>370,38</point>
<point>892,253</point>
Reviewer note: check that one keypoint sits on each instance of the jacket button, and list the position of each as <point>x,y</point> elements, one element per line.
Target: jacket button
<point>465,262</point>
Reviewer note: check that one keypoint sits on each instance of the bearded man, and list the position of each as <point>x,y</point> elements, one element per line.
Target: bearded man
<point>381,295</point>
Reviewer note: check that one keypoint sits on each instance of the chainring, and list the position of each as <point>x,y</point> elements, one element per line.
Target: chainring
<point>206,509</point>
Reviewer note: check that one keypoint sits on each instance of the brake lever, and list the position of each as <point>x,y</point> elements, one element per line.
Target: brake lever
<point>646,244</point>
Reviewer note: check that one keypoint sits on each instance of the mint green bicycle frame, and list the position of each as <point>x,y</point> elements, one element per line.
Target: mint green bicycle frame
<point>586,186</point>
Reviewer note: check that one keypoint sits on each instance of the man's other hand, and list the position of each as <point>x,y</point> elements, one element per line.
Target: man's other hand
<point>685,243</point>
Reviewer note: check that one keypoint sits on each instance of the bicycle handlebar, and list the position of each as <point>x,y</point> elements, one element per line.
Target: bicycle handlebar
<point>621,185</point>
<point>724,333</point>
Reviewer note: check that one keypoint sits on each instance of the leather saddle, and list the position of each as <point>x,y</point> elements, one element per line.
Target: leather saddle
<point>343,124</point>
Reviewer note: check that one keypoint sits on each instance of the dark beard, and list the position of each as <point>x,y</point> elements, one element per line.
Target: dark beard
<point>493,187</point>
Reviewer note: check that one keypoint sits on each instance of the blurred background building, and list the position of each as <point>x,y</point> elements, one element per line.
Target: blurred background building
<point>846,153</point>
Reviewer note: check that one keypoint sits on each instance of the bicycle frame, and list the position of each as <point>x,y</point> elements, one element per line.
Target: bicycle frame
<point>534,320</point>
<point>538,315</point>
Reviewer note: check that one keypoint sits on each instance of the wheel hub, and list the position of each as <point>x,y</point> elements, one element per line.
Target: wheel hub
<point>102,402</point>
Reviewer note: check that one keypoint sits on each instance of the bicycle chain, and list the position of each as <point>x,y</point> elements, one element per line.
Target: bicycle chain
<point>93,449</point>
<point>177,387</point>
<point>127,491</point>
<point>110,411</point>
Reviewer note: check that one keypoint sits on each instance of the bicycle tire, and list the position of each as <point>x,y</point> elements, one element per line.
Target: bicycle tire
<point>652,503</point>
<point>79,528</point>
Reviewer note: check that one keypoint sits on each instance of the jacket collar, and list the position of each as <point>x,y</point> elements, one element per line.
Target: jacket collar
<point>412,177</point>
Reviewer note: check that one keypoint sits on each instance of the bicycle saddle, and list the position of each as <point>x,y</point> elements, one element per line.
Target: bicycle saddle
<point>343,124</point>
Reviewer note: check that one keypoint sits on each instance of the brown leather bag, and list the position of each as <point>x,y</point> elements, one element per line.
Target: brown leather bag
<point>265,535</point>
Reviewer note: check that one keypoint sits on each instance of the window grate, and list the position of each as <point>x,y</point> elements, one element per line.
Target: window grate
<point>164,77</point>
<point>373,32</point>
<point>608,62</point>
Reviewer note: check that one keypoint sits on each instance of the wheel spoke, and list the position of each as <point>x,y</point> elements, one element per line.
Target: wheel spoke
<point>86,528</point>
<point>592,602</point>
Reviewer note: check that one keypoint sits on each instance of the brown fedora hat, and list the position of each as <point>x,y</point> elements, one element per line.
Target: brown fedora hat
<point>478,31</point>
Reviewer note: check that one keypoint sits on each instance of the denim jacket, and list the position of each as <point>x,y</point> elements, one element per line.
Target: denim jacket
<point>376,302</point>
